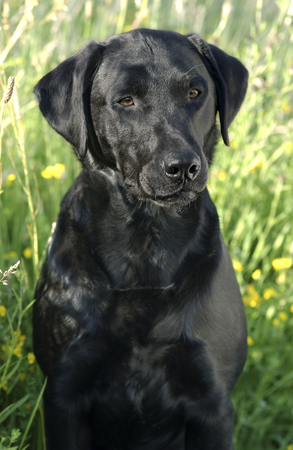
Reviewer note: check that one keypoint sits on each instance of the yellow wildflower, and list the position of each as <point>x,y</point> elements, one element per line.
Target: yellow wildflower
<point>3,310</point>
<point>48,172</point>
<point>283,316</point>
<point>251,289</point>
<point>286,108</point>
<point>276,321</point>
<point>281,263</point>
<point>289,447</point>
<point>58,170</point>
<point>253,299</point>
<point>268,293</point>
<point>281,278</point>
<point>10,178</point>
<point>17,352</point>
<point>291,309</point>
<point>222,175</point>
<point>53,171</point>
<point>22,339</point>
<point>256,299</point>
<point>256,166</point>
<point>237,266</point>
<point>27,253</point>
<point>250,341</point>
<point>256,274</point>
<point>233,144</point>
<point>22,376</point>
<point>31,358</point>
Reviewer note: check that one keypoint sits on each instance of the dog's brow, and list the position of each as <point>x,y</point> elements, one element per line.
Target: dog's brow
<point>197,79</point>
<point>134,72</point>
<point>185,81</point>
<point>192,68</point>
<point>134,79</point>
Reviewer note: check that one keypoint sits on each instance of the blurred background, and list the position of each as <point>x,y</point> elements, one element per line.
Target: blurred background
<point>250,182</point>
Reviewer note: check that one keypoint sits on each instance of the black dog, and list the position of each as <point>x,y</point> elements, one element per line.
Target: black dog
<point>138,321</point>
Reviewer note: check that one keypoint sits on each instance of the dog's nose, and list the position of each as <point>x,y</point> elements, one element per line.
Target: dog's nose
<point>184,168</point>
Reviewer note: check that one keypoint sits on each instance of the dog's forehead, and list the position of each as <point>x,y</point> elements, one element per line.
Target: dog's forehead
<point>146,52</point>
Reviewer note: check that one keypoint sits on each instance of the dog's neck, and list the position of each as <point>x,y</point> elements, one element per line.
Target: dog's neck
<point>146,246</point>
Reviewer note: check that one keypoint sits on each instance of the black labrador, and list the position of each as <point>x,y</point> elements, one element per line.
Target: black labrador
<point>138,320</point>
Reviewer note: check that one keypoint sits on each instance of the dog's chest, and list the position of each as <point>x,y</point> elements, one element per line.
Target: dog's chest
<point>145,389</point>
<point>144,376</point>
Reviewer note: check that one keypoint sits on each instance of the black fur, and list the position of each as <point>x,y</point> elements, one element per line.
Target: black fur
<point>138,320</point>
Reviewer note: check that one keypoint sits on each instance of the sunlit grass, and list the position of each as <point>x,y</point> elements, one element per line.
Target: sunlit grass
<point>250,182</point>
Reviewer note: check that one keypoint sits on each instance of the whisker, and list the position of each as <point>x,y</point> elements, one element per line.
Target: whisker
<point>194,67</point>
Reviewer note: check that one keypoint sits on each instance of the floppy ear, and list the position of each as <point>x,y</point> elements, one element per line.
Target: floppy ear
<point>230,78</point>
<point>63,96</point>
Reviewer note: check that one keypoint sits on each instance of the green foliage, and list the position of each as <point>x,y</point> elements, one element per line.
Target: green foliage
<point>251,183</point>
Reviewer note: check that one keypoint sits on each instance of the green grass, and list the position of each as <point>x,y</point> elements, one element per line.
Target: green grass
<point>251,183</point>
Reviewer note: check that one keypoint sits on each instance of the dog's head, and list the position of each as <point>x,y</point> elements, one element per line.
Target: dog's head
<point>144,103</point>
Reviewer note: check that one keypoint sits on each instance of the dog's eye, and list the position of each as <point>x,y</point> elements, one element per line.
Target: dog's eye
<point>127,101</point>
<point>193,93</point>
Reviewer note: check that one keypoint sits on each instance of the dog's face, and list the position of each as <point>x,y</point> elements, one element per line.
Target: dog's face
<point>153,105</point>
<point>145,103</point>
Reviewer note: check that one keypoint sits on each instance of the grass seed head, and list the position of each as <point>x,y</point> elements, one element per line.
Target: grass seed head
<point>10,271</point>
<point>9,90</point>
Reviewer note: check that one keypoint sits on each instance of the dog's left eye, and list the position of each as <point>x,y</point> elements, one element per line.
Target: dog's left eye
<point>193,93</point>
<point>127,101</point>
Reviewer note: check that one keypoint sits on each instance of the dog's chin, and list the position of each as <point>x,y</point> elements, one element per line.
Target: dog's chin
<point>179,200</point>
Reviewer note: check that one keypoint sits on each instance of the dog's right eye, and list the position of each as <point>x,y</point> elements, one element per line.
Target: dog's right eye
<point>127,101</point>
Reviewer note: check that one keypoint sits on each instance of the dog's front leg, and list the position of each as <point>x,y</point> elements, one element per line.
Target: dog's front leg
<point>65,430</point>
<point>211,435</point>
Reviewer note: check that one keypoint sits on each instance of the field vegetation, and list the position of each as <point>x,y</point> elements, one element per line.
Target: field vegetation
<point>251,183</point>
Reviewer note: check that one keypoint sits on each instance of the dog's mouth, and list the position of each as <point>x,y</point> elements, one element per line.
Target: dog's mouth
<point>181,197</point>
